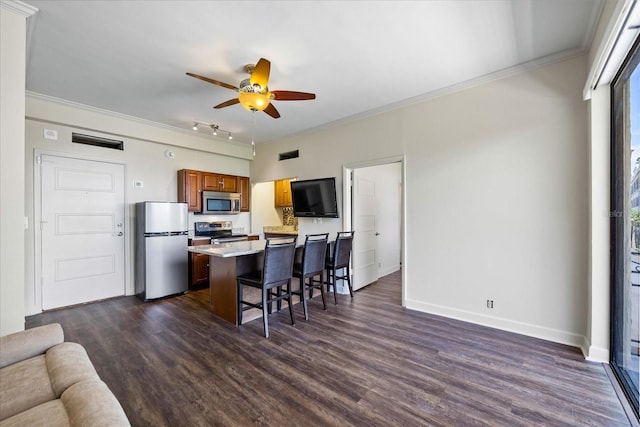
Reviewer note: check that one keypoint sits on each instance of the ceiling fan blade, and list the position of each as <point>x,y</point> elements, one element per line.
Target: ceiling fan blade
<point>215,82</point>
<point>288,95</point>
<point>228,103</point>
<point>271,110</point>
<point>260,74</point>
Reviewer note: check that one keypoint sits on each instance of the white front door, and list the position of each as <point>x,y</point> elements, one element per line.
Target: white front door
<point>82,230</point>
<point>365,265</point>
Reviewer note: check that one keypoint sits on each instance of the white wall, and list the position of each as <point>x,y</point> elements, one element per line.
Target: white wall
<point>144,159</point>
<point>13,18</point>
<point>496,196</point>
<point>263,211</point>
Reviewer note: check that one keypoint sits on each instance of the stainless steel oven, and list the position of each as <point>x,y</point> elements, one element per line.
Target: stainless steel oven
<point>218,203</point>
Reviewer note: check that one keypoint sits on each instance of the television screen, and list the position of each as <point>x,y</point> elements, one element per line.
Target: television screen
<point>315,198</point>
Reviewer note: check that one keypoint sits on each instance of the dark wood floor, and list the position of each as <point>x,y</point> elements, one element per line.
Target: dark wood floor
<point>364,362</point>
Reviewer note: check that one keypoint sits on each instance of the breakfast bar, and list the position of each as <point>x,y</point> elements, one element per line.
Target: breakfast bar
<point>226,261</point>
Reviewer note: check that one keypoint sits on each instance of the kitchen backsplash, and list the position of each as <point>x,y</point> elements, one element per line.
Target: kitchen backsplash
<point>288,218</point>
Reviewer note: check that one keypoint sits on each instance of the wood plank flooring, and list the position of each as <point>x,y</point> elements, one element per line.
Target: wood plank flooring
<point>364,362</point>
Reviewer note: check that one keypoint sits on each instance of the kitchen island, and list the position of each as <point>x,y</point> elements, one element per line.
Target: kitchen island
<point>226,262</point>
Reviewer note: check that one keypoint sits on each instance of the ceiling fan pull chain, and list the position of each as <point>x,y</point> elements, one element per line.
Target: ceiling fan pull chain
<point>253,132</point>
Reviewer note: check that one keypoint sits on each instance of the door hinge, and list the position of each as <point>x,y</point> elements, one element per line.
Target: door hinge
<point>38,159</point>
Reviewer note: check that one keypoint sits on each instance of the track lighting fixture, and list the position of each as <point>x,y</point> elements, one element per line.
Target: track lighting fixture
<point>214,129</point>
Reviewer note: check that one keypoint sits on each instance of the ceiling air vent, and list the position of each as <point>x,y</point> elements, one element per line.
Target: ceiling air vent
<point>289,155</point>
<point>79,138</point>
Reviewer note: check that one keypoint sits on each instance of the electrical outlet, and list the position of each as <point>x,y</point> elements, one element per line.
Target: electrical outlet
<point>489,303</point>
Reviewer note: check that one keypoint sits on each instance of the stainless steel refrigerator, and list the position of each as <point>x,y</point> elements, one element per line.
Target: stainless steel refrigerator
<point>161,249</point>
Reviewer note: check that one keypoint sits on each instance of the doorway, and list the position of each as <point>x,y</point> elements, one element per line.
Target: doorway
<point>81,238</point>
<point>374,209</point>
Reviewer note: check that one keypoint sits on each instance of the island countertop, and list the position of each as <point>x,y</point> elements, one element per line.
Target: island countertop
<point>230,249</point>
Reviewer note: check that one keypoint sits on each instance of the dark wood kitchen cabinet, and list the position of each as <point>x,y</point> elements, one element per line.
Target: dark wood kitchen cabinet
<point>190,189</point>
<point>244,188</point>
<point>192,183</point>
<point>219,182</point>
<point>198,266</point>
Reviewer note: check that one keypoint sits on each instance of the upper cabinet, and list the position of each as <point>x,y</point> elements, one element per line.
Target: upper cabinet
<point>190,189</point>
<point>219,182</point>
<point>244,187</point>
<point>192,183</point>
<point>282,196</point>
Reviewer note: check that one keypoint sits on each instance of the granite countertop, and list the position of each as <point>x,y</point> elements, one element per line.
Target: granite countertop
<point>230,249</point>
<point>281,229</point>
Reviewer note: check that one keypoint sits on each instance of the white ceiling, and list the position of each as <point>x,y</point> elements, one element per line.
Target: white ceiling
<point>359,57</point>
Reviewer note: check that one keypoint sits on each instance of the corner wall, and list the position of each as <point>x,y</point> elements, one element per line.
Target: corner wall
<point>13,17</point>
<point>496,196</point>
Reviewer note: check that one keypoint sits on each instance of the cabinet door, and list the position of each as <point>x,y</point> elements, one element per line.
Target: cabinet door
<point>219,182</point>
<point>190,189</point>
<point>210,181</point>
<point>283,193</point>
<point>200,270</point>
<point>244,188</point>
<point>198,266</point>
<point>228,183</point>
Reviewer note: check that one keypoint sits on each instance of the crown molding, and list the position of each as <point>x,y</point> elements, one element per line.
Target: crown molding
<point>458,87</point>
<point>89,108</point>
<point>18,7</point>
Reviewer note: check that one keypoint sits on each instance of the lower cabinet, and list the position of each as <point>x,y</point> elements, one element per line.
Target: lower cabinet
<point>198,266</point>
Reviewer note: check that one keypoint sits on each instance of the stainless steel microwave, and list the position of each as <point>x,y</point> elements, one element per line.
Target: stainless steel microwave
<point>216,203</point>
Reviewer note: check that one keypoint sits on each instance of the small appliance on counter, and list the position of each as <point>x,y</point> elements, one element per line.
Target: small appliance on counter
<point>218,231</point>
<point>161,249</point>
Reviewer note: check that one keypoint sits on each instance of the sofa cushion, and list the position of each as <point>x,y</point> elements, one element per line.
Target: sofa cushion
<point>68,363</point>
<point>49,414</point>
<point>91,403</point>
<point>24,385</point>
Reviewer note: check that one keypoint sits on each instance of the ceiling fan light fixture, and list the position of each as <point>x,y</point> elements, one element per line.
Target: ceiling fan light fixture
<point>254,101</point>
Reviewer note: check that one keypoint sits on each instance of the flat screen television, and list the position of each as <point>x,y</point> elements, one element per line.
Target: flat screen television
<point>314,198</point>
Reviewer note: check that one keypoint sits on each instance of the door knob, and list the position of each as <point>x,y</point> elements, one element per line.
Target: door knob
<point>120,233</point>
<point>377,234</point>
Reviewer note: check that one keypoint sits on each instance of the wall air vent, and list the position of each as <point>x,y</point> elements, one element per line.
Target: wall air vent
<point>79,138</point>
<point>289,155</point>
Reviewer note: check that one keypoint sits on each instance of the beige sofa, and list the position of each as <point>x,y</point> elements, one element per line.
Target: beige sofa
<point>46,381</point>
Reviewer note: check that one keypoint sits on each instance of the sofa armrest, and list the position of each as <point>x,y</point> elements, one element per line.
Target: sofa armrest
<point>29,343</point>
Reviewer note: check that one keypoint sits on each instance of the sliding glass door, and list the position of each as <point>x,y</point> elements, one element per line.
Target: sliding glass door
<point>625,226</point>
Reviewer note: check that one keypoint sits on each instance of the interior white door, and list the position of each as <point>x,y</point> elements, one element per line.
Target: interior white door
<point>82,230</point>
<point>364,261</point>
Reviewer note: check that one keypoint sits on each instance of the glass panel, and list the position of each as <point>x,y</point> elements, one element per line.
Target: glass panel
<point>625,228</point>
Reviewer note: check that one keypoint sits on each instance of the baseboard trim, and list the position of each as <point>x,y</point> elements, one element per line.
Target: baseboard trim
<point>536,331</point>
<point>595,354</point>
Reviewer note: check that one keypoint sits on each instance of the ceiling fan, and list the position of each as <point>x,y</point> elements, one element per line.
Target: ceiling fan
<point>253,93</point>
